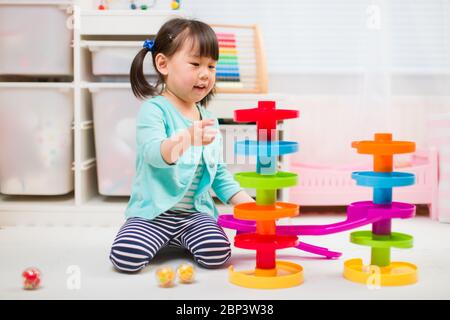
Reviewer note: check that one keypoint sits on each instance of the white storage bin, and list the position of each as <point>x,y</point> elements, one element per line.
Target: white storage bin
<point>35,40</point>
<point>115,58</point>
<point>115,111</point>
<point>36,149</point>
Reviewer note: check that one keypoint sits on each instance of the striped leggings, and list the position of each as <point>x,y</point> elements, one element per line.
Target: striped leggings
<point>139,239</point>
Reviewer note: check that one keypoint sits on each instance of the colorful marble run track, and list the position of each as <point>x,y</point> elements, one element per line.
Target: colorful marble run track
<point>269,273</point>
<point>381,239</point>
<point>256,222</point>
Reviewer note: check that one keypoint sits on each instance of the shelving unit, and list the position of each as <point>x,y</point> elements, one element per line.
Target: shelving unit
<point>85,206</point>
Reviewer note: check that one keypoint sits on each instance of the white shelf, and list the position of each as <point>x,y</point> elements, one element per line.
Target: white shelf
<point>13,203</point>
<point>61,211</point>
<point>99,85</point>
<point>37,2</point>
<point>62,85</point>
<point>107,43</point>
<point>132,22</point>
<point>101,203</point>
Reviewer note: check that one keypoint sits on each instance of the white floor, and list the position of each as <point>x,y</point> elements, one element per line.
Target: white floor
<point>75,265</point>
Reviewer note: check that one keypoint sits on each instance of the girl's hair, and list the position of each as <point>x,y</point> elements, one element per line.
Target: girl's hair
<point>168,41</point>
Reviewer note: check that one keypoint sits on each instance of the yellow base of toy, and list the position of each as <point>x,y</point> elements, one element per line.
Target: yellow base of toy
<point>286,275</point>
<point>396,274</point>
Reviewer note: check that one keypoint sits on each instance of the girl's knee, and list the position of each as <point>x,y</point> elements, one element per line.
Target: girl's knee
<point>213,259</point>
<point>125,268</point>
<point>128,260</point>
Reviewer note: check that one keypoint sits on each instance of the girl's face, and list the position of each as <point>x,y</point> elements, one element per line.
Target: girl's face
<point>189,76</point>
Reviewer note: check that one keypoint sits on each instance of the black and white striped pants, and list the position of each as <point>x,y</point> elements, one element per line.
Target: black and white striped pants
<point>139,239</point>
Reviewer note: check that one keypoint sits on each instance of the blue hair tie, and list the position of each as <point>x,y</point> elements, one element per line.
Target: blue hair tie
<point>148,44</point>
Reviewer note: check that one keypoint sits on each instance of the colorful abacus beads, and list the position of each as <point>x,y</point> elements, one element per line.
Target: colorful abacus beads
<point>381,238</point>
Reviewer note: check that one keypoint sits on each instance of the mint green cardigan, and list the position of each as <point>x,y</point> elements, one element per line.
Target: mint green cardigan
<point>157,185</point>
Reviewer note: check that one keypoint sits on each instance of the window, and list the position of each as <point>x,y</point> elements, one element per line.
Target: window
<point>343,37</point>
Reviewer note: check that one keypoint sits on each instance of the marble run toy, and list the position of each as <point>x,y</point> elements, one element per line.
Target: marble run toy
<point>269,273</point>
<point>382,179</point>
<point>255,222</point>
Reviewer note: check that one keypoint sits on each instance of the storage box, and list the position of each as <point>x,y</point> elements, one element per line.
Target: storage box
<point>115,58</point>
<point>114,113</point>
<point>36,149</point>
<point>35,40</point>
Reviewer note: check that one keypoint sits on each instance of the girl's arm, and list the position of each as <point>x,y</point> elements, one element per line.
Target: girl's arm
<point>240,197</point>
<point>173,148</point>
<point>198,134</point>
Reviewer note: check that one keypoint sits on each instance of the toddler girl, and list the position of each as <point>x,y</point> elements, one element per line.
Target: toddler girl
<point>179,153</point>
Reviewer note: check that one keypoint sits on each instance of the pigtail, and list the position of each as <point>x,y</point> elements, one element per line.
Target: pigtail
<point>139,84</point>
